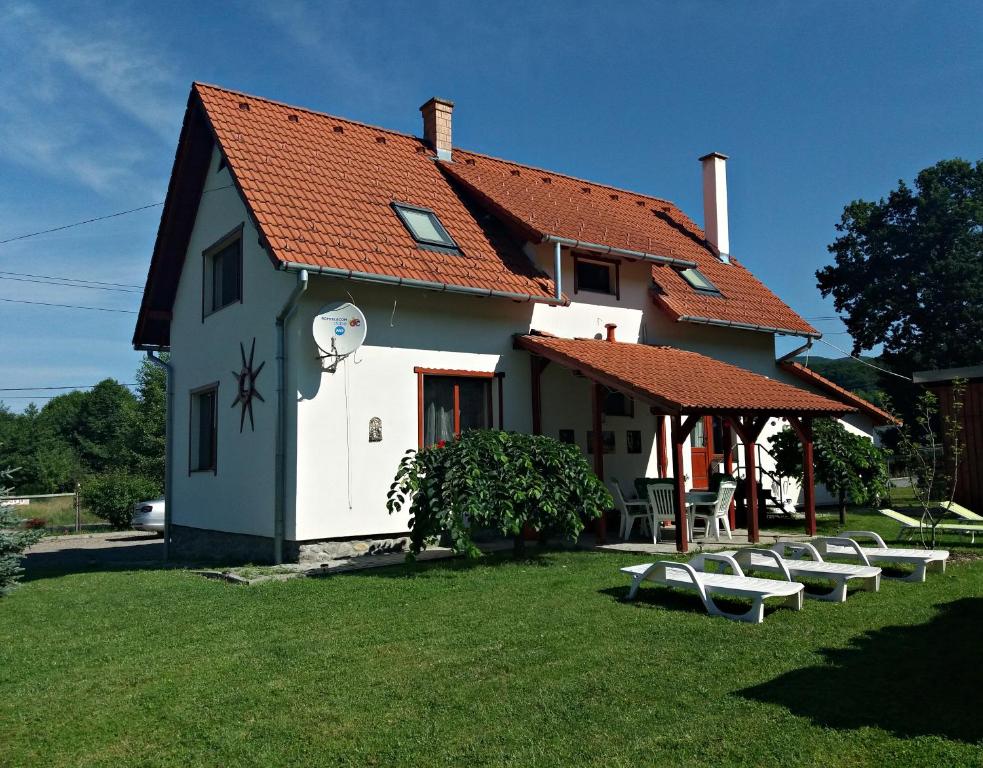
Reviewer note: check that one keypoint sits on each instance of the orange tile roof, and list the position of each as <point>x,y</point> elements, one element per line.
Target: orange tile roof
<point>548,203</point>
<point>879,416</point>
<point>320,189</point>
<point>678,380</point>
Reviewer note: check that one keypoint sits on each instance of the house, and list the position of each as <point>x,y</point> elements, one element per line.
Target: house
<point>494,294</point>
<point>969,477</point>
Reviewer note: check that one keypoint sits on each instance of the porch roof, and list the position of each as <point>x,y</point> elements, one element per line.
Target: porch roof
<point>679,381</point>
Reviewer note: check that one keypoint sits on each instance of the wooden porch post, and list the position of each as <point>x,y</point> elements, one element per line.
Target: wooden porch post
<point>597,401</point>
<point>728,435</point>
<point>660,439</point>
<point>748,430</point>
<point>536,364</point>
<point>678,436</point>
<point>803,429</point>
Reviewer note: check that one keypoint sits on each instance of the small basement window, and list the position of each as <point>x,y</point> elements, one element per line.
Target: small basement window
<point>595,276</point>
<point>222,279</point>
<point>424,226</point>
<point>698,281</point>
<point>204,430</point>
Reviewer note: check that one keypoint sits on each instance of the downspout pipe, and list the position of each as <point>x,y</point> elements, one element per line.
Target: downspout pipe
<point>168,368</point>
<point>610,250</point>
<point>280,472</point>
<point>796,352</point>
<point>407,282</point>
<point>557,271</point>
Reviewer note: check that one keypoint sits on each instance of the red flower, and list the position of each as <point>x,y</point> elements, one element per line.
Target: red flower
<point>441,443</point>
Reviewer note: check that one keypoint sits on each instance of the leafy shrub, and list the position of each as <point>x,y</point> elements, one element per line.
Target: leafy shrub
<point>111,496</point>
<point>502,481</point>
<point>33,523</point>
<point>13,539</point>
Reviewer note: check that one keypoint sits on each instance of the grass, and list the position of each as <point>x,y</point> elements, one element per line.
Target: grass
<point>59,511</point>
<point>530,663</point>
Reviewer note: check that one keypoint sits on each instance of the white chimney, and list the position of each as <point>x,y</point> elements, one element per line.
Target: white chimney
<point>715,203</point>
<point>437,125</point>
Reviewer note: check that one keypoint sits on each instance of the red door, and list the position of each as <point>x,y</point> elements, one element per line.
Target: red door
<point>701,452</point>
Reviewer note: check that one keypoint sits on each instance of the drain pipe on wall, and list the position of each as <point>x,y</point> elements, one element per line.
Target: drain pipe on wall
<point>796,352</point>
<point>557,275</point>
<point>280,484</point>
<point>168,444</point>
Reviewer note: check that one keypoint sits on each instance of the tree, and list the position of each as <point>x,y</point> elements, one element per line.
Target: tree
<point>13,538</point>
<point>148,432</point>
<point>112,495</point>
<point>933,461</point>
<point>908,270</point>
<point>503,481</point>
<point>849,465</point>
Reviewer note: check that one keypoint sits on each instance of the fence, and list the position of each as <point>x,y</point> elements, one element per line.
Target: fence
<point>24,500</point>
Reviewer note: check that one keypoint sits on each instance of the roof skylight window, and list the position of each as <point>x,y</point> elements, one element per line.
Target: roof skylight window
<point>698,281</point>
<point>424,225</point>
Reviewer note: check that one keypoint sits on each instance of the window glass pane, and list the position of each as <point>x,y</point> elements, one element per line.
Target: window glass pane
<point>206,431</point>
<point>474,403</point>
<point>593,276</point>
<point>424,226</point>
<point>697,279</point>
<point>698,435</point>
<point>438,409</point>
<point>226,265</point>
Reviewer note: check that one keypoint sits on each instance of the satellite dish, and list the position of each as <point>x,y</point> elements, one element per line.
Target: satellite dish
<point>339,329</point>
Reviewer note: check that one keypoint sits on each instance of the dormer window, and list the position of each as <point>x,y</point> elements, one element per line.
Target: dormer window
<point>698,281</point>
<point>425,227</point>
<point>596,276</point>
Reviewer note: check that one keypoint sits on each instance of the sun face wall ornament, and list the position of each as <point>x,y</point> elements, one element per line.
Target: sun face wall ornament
<point>246,390</point>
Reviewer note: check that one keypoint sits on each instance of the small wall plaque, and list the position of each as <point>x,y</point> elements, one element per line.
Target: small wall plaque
<point>375,430</point>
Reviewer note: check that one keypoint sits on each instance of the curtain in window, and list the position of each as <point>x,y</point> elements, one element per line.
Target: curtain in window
<point>438,409</point>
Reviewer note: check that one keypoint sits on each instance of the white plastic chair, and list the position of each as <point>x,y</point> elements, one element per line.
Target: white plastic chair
<point>718,513</point>
<point>662,500</point>
<point>630,509</point>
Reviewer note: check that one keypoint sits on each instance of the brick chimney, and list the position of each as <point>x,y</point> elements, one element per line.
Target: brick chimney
<point>611,328</point>
<point>437,125</point>
<point>715,203</point>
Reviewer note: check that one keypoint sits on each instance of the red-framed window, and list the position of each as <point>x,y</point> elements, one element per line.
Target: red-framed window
<point>453,401</point>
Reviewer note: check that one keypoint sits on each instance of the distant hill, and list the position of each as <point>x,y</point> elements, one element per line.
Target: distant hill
<point>848,373</point>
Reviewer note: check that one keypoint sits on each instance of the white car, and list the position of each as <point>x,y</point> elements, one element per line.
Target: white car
<point>148,516</point>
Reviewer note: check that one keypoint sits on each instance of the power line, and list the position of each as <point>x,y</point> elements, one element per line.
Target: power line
<point>98,218</point>
<point>69,306</point>
<point>64,284</point>
<point>80,223</point>
<point>868,364</point>
<point>73,279</point>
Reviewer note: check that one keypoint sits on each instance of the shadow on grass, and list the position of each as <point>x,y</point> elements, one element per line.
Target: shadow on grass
<point>922,680</point>
<point>541,557</point>
<point>682,600</point>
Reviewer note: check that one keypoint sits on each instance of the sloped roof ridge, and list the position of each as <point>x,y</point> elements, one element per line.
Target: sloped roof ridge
<point>307,110</point>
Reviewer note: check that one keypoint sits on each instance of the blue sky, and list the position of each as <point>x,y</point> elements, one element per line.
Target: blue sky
<point>817,103</point>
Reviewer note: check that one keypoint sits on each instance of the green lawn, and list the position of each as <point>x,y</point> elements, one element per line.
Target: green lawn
<point>57,511</point>
<point>500,663</point>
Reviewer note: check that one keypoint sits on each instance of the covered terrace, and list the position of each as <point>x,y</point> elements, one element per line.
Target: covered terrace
<point>683,387</point>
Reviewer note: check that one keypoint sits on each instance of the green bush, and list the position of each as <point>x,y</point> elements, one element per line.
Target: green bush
<point>13,539</point>
<point>502,481</point>
<point>112,495</point>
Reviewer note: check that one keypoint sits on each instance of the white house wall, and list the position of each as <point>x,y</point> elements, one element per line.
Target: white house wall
<point>238,497</point>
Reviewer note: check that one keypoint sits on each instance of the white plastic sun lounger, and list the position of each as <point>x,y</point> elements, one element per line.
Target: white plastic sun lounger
<point>693,576</point>
<point>845,545</point>
<point>773,560</point>
<point>910,525</point>
<point>966,514</point>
